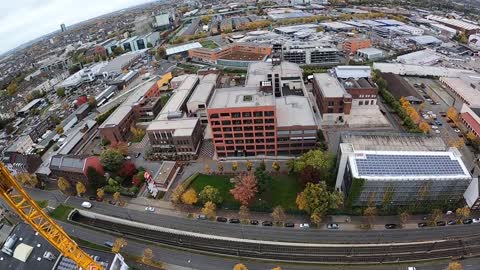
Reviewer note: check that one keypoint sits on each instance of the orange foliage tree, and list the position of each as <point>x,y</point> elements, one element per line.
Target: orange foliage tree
<point>245,190</point>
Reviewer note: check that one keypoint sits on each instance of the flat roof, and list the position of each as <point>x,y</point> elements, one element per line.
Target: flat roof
<point>462,86</point>
<point>241,96</point>
<point>202,92</point>
<point>420,70</point>
<point>388,141</point>
<point>183,48</point>
<point>346,72</point>
<point>293,111</point>
<point>370,51</point>
<point>178,98</point>
<point>183,123</point>
<point>424,40</point>
<point>394,165</point>
<point>68,163</point>
<point>30,105</point>
<point>119,62</point>
<point>329,85</point>
<point>161,176</point>
<point>258,71</point>
<point>336,25</point>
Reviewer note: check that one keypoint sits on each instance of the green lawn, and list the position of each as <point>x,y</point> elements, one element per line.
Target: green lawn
<point>61,212</point>
<point>42,204</point>
<point>283,191</point>
<point>88,244</point>
<point>209,44</point>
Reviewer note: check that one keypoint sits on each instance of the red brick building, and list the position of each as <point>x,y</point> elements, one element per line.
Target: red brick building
<point>74,169</point>
<point>351,45</point>
<point>332,99</point>
<point>235,51</point>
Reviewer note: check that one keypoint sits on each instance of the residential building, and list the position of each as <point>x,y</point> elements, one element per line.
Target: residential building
<point>332,99</point>
<point>269,116</point>
<point>351,45</point>
<point>178,138</point>
<point>409,167</point>
<point>74,169</point>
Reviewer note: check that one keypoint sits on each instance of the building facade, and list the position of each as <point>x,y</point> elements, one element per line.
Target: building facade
<point>332,99</point>
<point>351,45</point>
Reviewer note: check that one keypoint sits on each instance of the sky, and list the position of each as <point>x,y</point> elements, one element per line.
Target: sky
<point>25,20</point>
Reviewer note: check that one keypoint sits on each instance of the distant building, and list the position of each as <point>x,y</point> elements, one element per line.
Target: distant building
<point>36,103</point>
<point>370,53</point>
<point>309,53</point>
<point>236,54</point>
<point>351,45</point>
<point>462,26</point>
<point>409,167</point>
<point>21,157</point>
<point>63,28</point>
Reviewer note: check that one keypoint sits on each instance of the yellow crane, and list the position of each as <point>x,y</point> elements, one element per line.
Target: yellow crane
<point>19,200</point>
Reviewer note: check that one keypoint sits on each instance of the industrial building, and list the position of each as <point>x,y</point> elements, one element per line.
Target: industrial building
<point>465,88</point>
<point>351,45</point>
<point>332,99</point>
<point>269,116</point>
<point>409,167</point>
<point>310,52</point>
<point>370,54</point>
<point>462,26</point>
<point>425,57</point>
<point>176,105</point>
<point>74,169</point>
<point>198,101</point>
<point>236,54</point>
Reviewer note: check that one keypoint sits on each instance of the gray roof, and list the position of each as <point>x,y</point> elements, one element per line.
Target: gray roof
<point>67,163</point>
<point>329,86</point>
<point>183,48</point>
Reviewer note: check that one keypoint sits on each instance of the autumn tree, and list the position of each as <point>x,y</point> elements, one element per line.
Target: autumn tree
<point>161,52</point>
<point>118,245</point>
<point>92,101</point>
<point>244,214</point>
<point>455,266</point>
<point>452,114</point>
<point>370,212</point>
<point>240,266</point>
<point>59,130</point>
<point>277,268</point>
<point>206,19</point>
<point>190,197</point>
<point>177,194</point>
<point>276,166</point>
<point>80,187</point>
<point>121,147</point>
<point>206,169</point>
<point>245,190</point>
<point>61,92</point>
<point>463,212</point>
<point>220,167</point>
<point>100,193</point>
<point>147,256</point>
<point>322,162</point>
<point>63,184</point>
<point>127,169</point>
<point>209,209</point>
<point>315,199</point>
<point>424,127</point>
<point>278,215</point>
<point>111,159</point>
<point>435,216</point>
<point>248,165</point>
<point>234,166</point>
<point>116,196</point>
<point>210,194</point>
<point>404,216</point>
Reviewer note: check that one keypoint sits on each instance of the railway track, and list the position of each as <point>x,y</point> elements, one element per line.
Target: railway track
<point>308,252</point>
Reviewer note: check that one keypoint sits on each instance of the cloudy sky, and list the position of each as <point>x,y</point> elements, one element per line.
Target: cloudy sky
<point>24,20</point>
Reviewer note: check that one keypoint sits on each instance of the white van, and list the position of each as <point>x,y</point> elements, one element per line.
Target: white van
<point>87,205</point>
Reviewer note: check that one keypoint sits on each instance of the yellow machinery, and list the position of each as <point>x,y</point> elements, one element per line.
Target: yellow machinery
<point>20,201</point>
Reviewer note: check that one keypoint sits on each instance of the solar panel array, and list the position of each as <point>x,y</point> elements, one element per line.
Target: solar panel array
<point>408,165</point>
<point>67,264</point>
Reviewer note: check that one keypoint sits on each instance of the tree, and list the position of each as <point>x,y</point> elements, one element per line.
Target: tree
<point>370,212</point>
<point>59,130</point>
<point>276,166</point>
<point>248,165</point>
<point>121,147</point>
<point>210,194</point>
<point>234,166</point>
<point>118,51</point>
<point>240,266</point>
<point>452,114</point>
<point>27,179</point>
<point>404,216</point>
<point>463,212</point>
<point>177,194</point>
<point>116,197</point>
<point>80,187</point>
<point>220,167</point>
<point>118,245</point>
<point>424,127</point>
<point>455,266</point>
<point>262,166</point>
<point>147,256</point>
<point>63,184</point>
<point>206,19</point>
<point>309,174</point>
<point>316,218</point>
<point>315,198</point>
<point>278,215</point>
<point>322,161</point>
<point>61,92</point>
<point>190,197</point>
<point>209,209</point>
<point>111,159</point>
<point>128,169</point>
<point>95,179</point>
<point>245,190</point>
<point>100,193</point>
<point>161,52</point>
<point>435,216</point>
<point>12,88</point>
<point>244,214</point>
<point>264,180</point>
<point>92,101</point>
<point>207,169</point>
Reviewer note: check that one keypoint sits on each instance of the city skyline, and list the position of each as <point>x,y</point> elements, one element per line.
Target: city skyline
<point>33,24</point>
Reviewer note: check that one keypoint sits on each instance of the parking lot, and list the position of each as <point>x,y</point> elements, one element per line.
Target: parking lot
<point>434,111</point>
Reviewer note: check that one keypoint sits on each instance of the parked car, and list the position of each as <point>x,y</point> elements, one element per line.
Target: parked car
<point>201,217</point>
<point>108,244</point>
<point>441,223</point>
<point>438,123</point>
<point>92,198</point>
<point>434,127</point>
<point>221,219</point>
<point>333,226</point>
<point>267,223</point>
<point>411,268</point>
<point>476,220</point>
<point>234,220</point>
<point>253,222</point>
<point>437,131</point>
<point>456,130</point>
<point>87,205</point>
<point>305,225</point>
<point>128,158</point>
<point>452,222</point>
<point>467,221</point>
<point>137,155</point>
<point>422,224</point>
<point>390,226</point>
<point>289,225</point>
<point>149,209</point>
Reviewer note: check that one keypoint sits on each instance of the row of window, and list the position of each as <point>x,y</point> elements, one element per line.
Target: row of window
<point>246,141</point>
<point>368,96</point>
<point>246,135</point>
<point>243,114</point>
<point>366,102</point>
<point>246,147</point>
<point>245,122</point>
<point>249,128</point>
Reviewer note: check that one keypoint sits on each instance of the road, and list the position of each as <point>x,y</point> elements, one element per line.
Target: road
<point>267,233</point>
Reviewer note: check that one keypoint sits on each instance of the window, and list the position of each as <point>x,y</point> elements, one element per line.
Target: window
<point>228,135</point>
<point>250,128</point>
<point>216,129</point>
<point>331,103</point>
<point>249,135</point>
<point>260,146</point>
<point>220,148</point>
<point>227,129</point>
<point>214,115</point>
<point>237,122</point>
<point>226,122</point>
<point>217,135</point>
<point>269,121</point>
<point>259,134</point>
<point>238,135</point>
<point>258,114</point>
<point>269,113</point>
<point>224,114</point>
<point>360,103</point>
<point>215,123</point>
<point>330,110</point>
<point>237,129</point>
<point>235,115</point>
<point>218,141</point>
<point>270,134</point>
<point>239,141</point>
<point>250,147</point>
<point>270,140</point>
<point>258,127</point>
<point>247,114</point>
<point>247,122</point>
<point>230,148</point>
<point>258,121</point>
<point>248,141</point>
<point>228,142</point>
<point>201,106</point>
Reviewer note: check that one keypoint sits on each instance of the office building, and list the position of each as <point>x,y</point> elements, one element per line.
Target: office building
<point>236,54</point>
<point>176,105</point>
<point>310,53</point>
<point>351,45</point>
<point>408,167</point>
<point>332,99</point>
<point>269,116</point>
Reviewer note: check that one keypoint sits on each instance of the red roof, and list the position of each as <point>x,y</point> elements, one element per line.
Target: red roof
<point>94,162</point>
<point>81,100</point>
<point>471,122</point>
